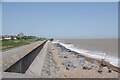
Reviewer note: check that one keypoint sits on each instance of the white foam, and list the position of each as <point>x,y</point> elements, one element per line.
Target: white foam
<point>93,54</point>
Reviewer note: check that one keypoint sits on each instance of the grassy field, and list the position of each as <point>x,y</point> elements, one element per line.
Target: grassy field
<point>8,44</point>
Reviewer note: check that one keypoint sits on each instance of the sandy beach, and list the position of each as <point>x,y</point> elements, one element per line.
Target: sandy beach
<point>63,63</point>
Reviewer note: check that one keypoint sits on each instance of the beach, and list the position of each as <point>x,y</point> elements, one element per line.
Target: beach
<point>64,63</point>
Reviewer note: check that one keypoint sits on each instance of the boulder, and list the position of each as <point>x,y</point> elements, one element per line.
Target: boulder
<point>87,67</point>
<point>69,65</point>
<point>85,64</point>
<point>100,69</point>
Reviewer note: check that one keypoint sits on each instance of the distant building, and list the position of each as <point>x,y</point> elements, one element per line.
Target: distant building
<point>7,38</point>
<point>15,38</point>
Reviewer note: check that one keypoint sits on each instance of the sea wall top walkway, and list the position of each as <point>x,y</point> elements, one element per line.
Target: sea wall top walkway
<point>11,56</point>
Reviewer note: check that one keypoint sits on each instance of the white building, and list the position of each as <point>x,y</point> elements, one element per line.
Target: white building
<point>7,38</point>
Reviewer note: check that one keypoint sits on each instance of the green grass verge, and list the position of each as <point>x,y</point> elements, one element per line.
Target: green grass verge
<point>7,44</point>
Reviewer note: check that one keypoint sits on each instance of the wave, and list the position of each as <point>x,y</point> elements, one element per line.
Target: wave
<point>92,54</point>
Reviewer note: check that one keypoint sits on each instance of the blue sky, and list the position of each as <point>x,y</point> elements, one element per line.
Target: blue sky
<point>61,20</point>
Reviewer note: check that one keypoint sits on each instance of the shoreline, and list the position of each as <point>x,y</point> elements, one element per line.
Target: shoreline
<point>74,65</point>
<point>108,46</point>
<point>108,64</point>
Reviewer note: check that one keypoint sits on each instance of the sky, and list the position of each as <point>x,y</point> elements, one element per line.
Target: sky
<point>61,20</point>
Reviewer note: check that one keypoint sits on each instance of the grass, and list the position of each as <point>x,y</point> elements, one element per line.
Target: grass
<point>8,44</point>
